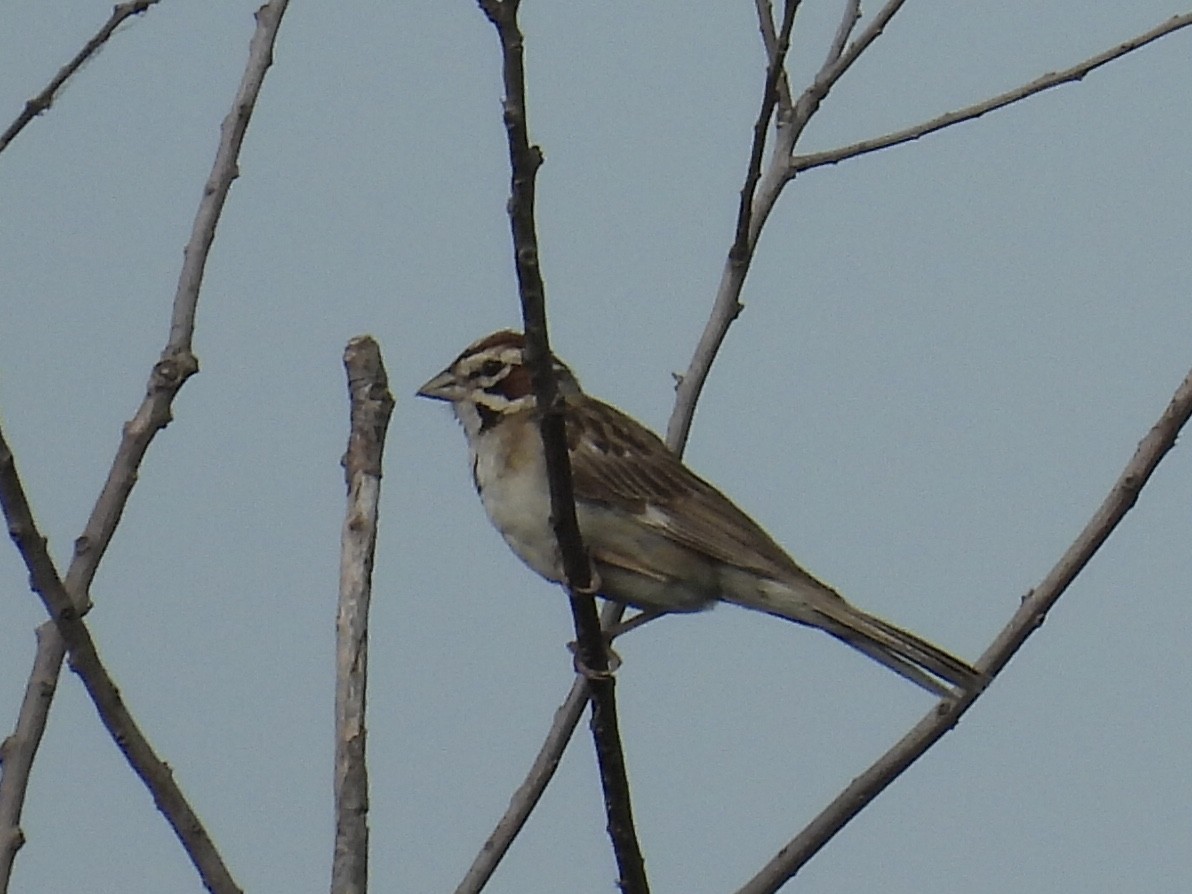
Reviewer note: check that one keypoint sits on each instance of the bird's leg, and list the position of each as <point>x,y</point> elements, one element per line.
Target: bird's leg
<point>640,619</point>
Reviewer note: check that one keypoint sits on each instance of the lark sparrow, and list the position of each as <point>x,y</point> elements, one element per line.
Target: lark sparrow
<point>660,537</point>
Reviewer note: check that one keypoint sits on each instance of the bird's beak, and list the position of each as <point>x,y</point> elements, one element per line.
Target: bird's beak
<point>441,387</point>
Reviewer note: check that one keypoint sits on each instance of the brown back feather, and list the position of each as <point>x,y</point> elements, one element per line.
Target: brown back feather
<point>634,469</point>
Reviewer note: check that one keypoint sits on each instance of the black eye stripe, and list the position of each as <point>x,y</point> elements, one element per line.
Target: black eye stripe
<point>489,369</point>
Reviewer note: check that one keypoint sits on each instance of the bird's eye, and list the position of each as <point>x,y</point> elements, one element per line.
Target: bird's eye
<point>491,367</point>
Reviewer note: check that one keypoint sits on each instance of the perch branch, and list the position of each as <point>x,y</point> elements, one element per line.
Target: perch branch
<point>525,160</point>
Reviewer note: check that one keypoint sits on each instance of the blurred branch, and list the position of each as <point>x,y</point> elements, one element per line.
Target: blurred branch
<point>371,407</point>
<point>1029,617</point>
<point>169,374</point>
<point>42,101</point>
<point>592,654</point>
<point>85,662</point>
<point>1077,72</point>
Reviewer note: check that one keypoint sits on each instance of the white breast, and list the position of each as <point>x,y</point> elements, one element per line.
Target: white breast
<point>510,475</point>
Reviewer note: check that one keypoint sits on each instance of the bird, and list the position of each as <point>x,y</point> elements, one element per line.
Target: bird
<point>660,538</point>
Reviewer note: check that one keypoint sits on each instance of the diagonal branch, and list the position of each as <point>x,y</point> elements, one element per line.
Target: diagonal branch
<point>758,196</point>
<point>525,160</point>
<point>1077,72</point>
<point>43,100</point>
<point>18,750</point>
<point>169,374</point>
<point>1030,615</point>
<point>43,578</point>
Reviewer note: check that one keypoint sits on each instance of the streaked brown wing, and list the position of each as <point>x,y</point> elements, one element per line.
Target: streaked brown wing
<point>621,463</point>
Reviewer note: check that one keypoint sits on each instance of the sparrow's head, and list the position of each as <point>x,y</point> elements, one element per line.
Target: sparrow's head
<point>489,381</point>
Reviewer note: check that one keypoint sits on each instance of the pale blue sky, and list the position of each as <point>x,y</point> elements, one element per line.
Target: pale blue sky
<point>949,350</point>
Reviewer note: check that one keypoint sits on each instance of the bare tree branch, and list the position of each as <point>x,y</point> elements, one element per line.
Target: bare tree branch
<point>85,662</point>
<point>169,374</point>
<point>834,68</point>
<point>525,160</point>
<point>848,21</point>
<point>43,100</point>
<point>1077,72</point>
<point>1029,617</point>
<point>542,770</point>
<point>739,253</point>
<point>19,749</point>
<point>758,196</point>
<point>765,22</point>
<point>371,407</point>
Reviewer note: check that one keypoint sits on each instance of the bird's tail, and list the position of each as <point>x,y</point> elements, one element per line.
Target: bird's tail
<point>900,650</point>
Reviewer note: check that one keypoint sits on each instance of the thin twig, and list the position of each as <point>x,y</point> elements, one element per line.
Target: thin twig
<point>758,196</point>
<point>169,374</point>
<point>1077,72</point>
<point>371,407</point>
<point>848,21</point>
<point>525,160</point>
<point>765,24</point>
<point>44,579</point>
<point>1030,615</point>
<point>739,253</point>
<point>42,101</point>
<point>834,69</point>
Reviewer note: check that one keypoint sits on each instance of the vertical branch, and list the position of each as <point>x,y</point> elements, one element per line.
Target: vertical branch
<point>371,407</point>
<point>525,160</point>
